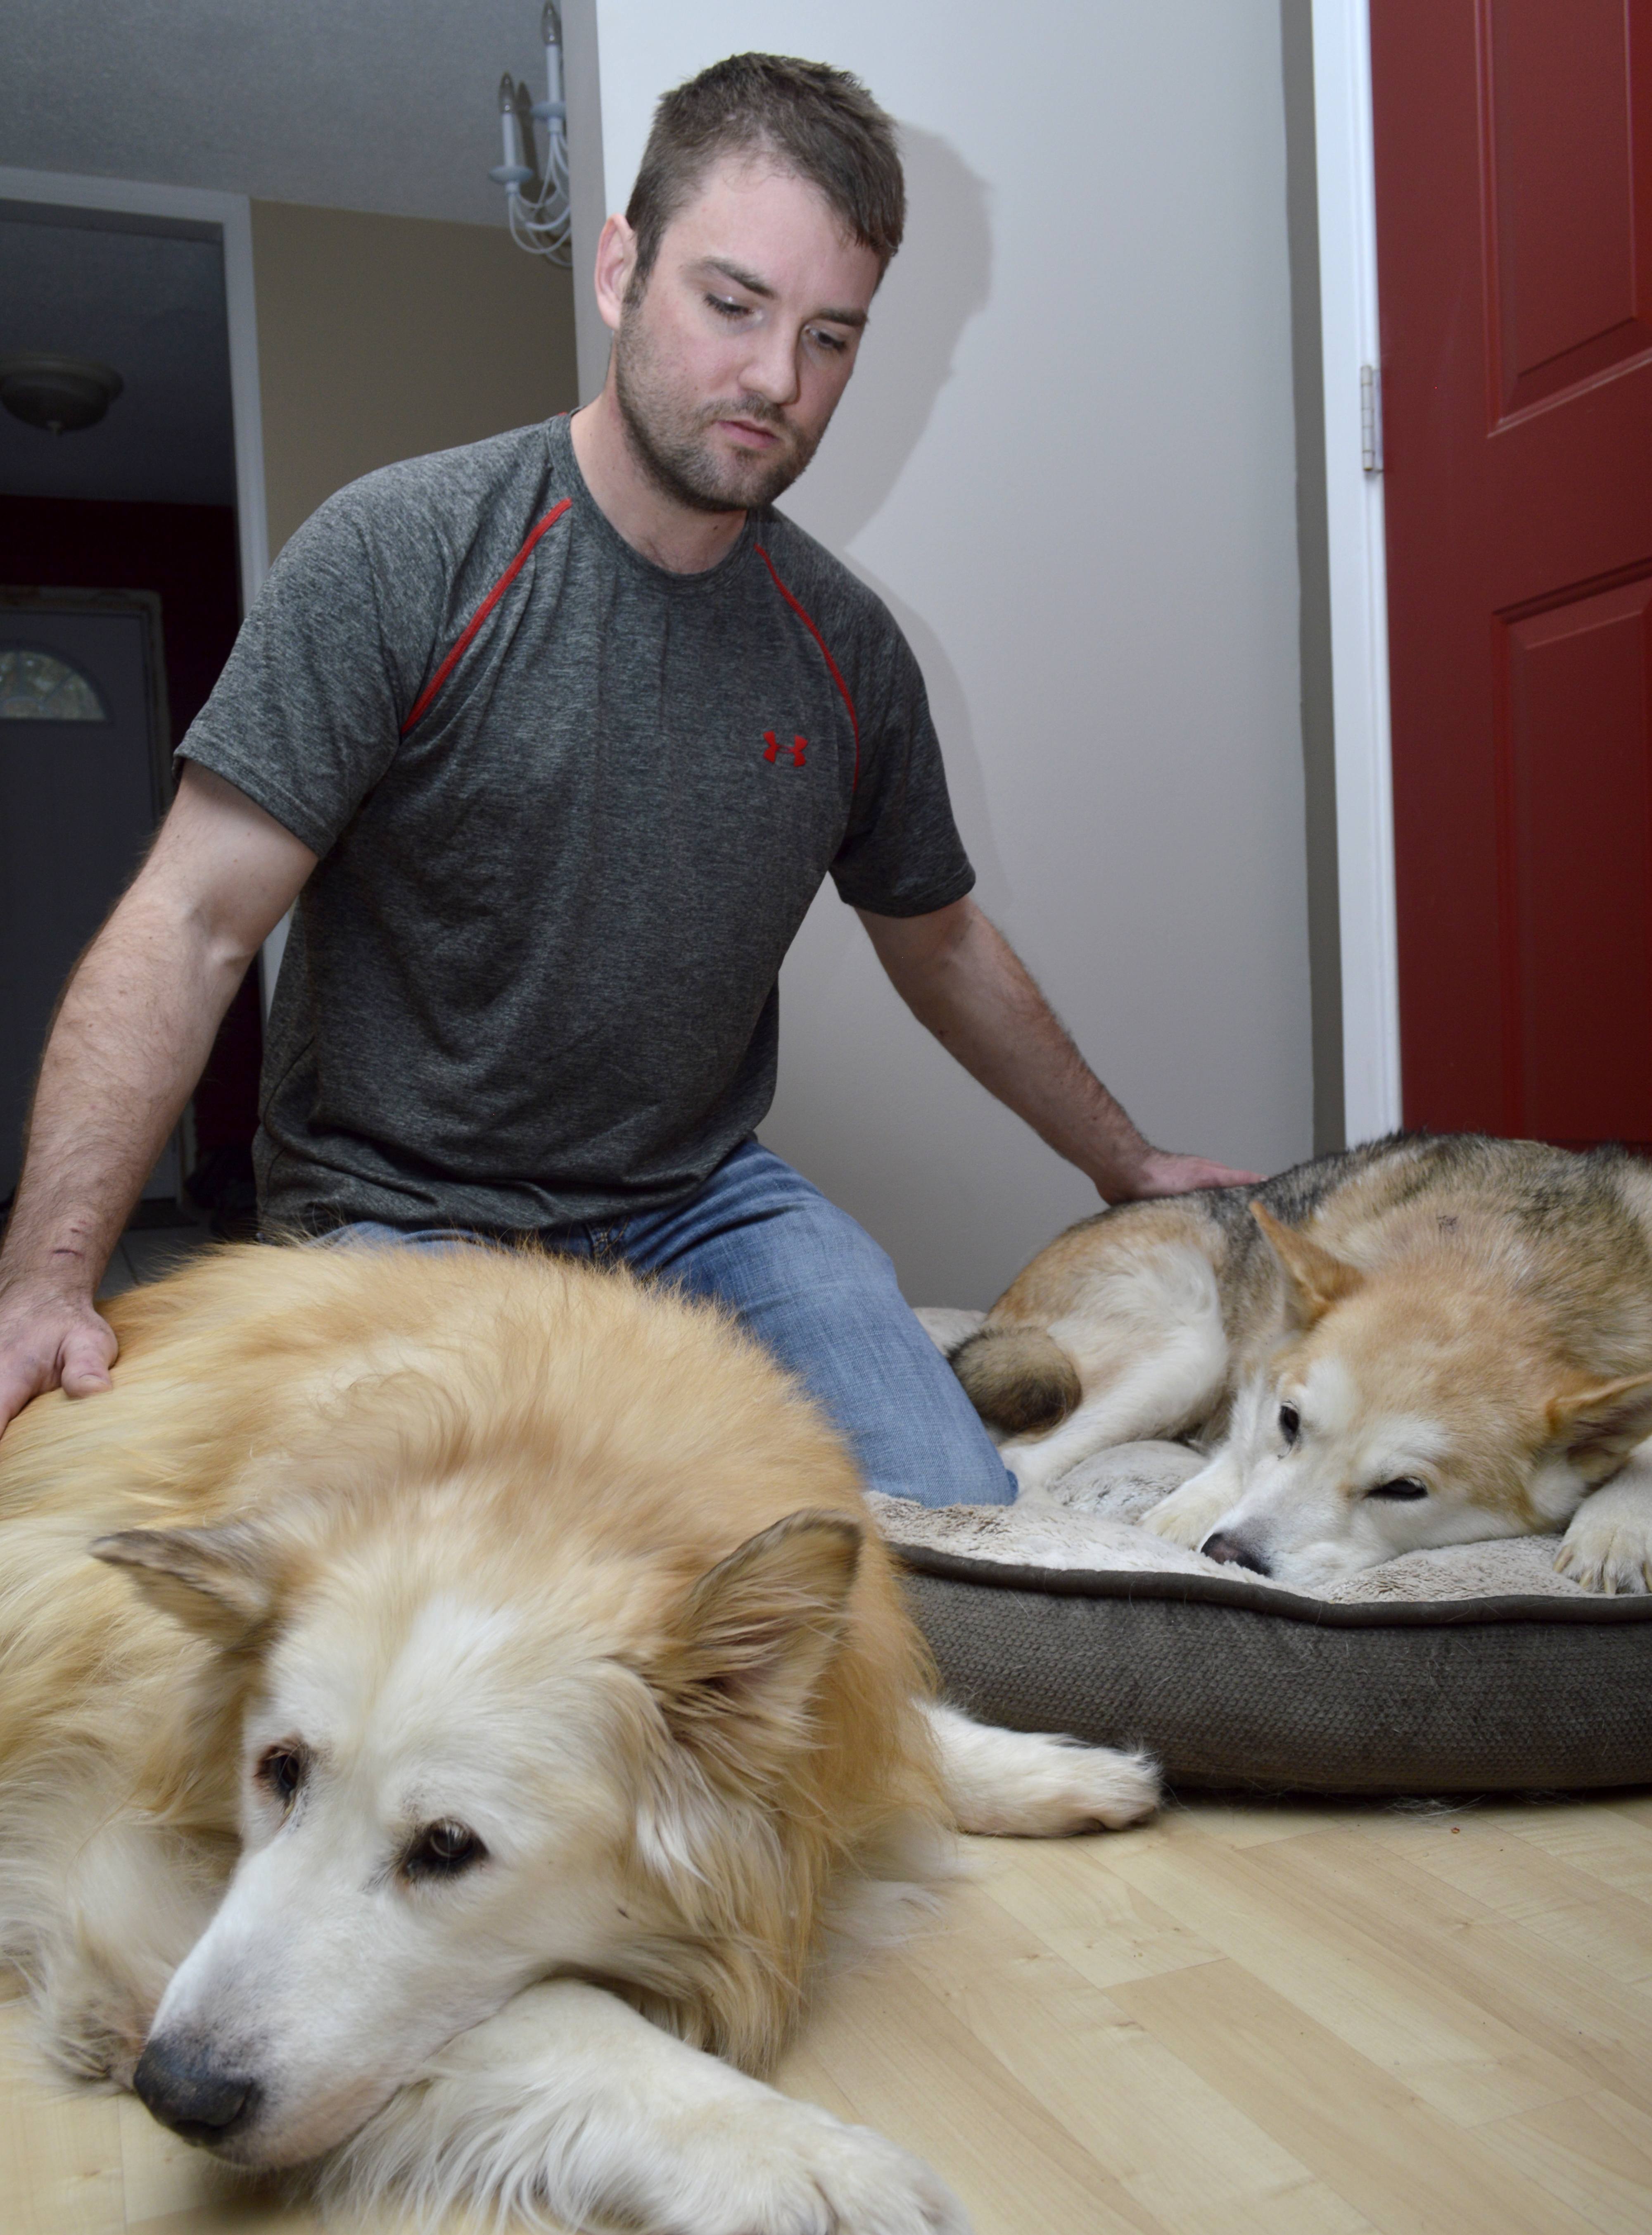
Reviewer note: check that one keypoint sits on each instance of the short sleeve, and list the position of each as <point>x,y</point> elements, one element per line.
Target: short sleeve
<point>305,718</point>
<point>902,855</point>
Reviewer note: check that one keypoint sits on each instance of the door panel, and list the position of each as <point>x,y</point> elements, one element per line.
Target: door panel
<point>1577,960</point>
<point>1513,142</point>
<point>1572,285</point>
<point>79,798</point>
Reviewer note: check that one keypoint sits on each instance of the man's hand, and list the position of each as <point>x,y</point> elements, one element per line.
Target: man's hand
<point>959,976</point>
<point>49,1340</point>
<point>1164,1173</point>
<point>134,1027</point>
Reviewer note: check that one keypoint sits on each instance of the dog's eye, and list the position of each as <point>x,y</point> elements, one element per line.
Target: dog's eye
<point>442,1850</point>
<point>281,1772</point>
<point>1290,1421</point>
<point>1406,1487</point>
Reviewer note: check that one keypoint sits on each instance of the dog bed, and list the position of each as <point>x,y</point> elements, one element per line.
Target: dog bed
<point>1474,1668</point>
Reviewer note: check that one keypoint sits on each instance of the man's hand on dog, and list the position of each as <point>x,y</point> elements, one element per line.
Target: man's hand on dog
<point>1163,1172</point>
<point>49,1338</point>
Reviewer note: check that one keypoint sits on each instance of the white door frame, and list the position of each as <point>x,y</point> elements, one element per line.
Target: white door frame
<point>231,216</point>
<point>1348,279</point>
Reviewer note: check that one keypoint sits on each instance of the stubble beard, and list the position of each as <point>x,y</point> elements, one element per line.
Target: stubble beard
<point>668,437</point>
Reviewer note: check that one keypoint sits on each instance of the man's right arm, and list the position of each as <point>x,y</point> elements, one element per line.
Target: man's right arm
<point>131,1038</point>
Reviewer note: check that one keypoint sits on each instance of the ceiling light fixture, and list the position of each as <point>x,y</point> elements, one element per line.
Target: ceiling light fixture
<point>59,394</point>
<point>539,218</point>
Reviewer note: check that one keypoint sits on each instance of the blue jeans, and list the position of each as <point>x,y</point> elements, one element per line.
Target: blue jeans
<point>817,1292</point>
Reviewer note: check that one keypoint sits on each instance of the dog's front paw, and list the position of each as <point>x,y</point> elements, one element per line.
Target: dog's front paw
<point>780,2168</point>
<point>1065,1788</point>
<point>1031,1468</point>
<point>1189,1514</point>
<point>1608,1546</point>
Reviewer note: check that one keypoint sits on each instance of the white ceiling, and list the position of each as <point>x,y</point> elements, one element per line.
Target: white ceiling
<point>390,105</point>
<point>151,306</point>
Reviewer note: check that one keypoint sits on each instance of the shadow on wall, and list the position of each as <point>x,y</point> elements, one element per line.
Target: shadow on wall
<point>941,280</point>
<point>865,1131</point>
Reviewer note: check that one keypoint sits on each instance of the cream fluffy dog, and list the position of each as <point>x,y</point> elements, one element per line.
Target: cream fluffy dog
<point>485,1703</point>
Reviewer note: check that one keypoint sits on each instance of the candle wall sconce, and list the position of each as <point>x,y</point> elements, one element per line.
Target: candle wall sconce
<point>536,193</point>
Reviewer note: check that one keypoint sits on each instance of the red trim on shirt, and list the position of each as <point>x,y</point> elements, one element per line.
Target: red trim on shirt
<point>854,719</point>
<point>421,705</point>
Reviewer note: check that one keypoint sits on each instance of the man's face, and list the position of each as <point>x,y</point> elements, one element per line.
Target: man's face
<point>729,365</point>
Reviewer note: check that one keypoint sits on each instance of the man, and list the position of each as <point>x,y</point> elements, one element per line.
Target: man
<point>553,740</point>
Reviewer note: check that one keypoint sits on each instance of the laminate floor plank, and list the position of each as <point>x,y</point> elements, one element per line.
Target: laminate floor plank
<point>1607,1844</point>
<point>1015,2166</point>
<point>1238,1823</point>
<point>1563,2010</point>
<point>1179,2147</point>
<point>1366,1977</point>
<point>60,2149</point>
<point>1528,1882</point>
<point>1095,1920</point>
<point>1409,2169</point>
<point>1594,2154</point>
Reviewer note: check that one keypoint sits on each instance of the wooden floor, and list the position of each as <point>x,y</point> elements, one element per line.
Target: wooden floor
<point>1309,2020</point>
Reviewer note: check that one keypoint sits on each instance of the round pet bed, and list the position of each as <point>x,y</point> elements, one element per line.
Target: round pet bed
<point>1476,1668</point>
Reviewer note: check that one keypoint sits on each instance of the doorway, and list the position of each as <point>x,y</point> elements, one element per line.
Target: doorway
<point>132,529</point>
<point>83,781</point>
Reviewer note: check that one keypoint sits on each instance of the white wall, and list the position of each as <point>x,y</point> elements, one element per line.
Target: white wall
<point>1066,462</point>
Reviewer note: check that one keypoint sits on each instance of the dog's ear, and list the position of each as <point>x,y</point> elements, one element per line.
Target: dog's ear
<point>1315,1279</point>
<point>1603,1424</point>
<point>754,1640</point>
<point>215,1582</point>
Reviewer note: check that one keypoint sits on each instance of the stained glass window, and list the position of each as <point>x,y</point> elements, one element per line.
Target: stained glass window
<point>36,686</point>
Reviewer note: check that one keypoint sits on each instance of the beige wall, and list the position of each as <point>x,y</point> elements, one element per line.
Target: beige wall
<point>1068,462</point>
<point>383,337</point>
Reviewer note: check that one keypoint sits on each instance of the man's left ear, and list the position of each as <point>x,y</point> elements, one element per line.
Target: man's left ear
<point>1600,1426</point>
<point>217,1583</point>
<point>616,260</point>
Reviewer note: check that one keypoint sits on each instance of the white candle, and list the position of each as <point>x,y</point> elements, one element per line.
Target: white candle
<point>508,126</point>
<point>551,31</point>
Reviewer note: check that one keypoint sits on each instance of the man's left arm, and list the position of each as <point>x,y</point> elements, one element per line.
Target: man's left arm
<point>962,979</point>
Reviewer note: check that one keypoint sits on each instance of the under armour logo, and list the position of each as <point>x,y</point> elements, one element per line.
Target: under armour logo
<point>798,747</point>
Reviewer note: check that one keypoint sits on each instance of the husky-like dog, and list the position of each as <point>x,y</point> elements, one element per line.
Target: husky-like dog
<point>1423,1341</point>
<point>512,1702</point>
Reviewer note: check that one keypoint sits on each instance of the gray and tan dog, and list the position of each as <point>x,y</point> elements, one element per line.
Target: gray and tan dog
<point>1423,1341</point>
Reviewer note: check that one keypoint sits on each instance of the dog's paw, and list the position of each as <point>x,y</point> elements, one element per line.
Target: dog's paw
<point>780,2168</point>
<point>1189,1514</point>
<point>1060,1786</point>
<point>1608,1546</point>
<point>1031,1468</point>
<point>1030,1785</point>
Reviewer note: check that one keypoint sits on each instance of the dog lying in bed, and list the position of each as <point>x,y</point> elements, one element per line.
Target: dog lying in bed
<point>485,1702</point>
<point>1420,1342</point>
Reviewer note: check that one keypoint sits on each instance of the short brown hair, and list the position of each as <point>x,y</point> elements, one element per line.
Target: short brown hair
<point>818,122</point>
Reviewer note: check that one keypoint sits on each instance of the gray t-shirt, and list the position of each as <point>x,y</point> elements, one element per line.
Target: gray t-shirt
<point>571,810</point>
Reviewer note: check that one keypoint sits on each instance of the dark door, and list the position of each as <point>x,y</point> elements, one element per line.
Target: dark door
<point>1513,142</point>
<point>80,790</point>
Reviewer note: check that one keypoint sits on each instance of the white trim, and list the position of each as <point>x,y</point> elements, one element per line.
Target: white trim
<point>1348,279</point>
<point>587,193</point>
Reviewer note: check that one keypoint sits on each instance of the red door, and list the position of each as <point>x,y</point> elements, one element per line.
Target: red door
<point>1513,143</point>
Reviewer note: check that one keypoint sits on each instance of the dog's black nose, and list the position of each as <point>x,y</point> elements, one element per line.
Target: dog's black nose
<point>1235,1555</point>
<point>182,2086</point>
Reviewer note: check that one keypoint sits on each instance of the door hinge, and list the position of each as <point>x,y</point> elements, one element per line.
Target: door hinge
<point>1371,418</point>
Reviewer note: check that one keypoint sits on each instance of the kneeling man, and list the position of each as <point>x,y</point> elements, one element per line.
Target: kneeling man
<point>552,740</point>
